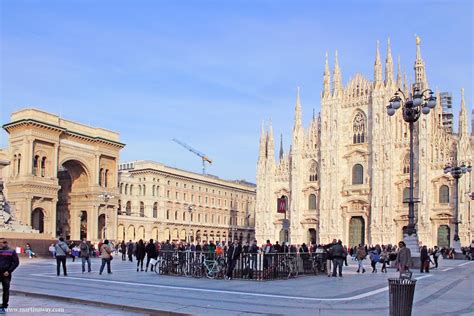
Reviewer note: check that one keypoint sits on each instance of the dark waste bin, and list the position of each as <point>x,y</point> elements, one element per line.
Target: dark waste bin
<point>401,292</point>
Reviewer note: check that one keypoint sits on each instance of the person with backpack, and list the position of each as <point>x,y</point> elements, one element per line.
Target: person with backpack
<point>360,256</point>
<point>374,258</point>
<point>106,255</point>
<point>85,255</point>
<point>62,251</point>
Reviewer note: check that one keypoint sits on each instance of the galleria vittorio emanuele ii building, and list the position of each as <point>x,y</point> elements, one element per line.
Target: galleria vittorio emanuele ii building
<point>346,175</point>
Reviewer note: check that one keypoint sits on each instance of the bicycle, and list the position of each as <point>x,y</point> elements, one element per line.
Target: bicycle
<point>290,266</point>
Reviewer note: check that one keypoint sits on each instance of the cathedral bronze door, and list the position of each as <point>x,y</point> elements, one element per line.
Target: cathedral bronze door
<point>444,236</point>
<point>356,231</point>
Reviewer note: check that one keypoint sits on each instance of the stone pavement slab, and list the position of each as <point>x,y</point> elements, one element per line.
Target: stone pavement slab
<point>445,290</point>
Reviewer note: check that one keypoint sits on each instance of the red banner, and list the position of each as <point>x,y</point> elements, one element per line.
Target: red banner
<point>282,205</point>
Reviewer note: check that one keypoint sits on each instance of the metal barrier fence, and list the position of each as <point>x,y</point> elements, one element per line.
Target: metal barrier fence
<point>252,266</point>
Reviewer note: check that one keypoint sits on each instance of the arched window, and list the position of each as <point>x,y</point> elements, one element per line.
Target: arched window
<point>184,216</point>
<point>406,164</point>
<point>167,214</point>
<point>35,165</point>
<point>131,189</point>
<point>153,190</point>
<point>406,195</point>
<point>313,172</point>
<point>139,190</point>
<point>128,208</point>
<point>106,176</point>
<point>312,202</point>
<point>155,210</point>
<point>19,164</point>
<point>100,176</point>
<point>358,174</point>
<point>176,215</point>
<point>144,190</point>
<point>43,167</point>
<point>142,209</point>
<point>444,194</point>
<point>126,189</point>
<point>359,128</point>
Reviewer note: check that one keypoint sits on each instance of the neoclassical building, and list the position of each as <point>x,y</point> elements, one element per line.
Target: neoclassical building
<point>164,203</point>
<point>346,175</point>
<point>58,171</point>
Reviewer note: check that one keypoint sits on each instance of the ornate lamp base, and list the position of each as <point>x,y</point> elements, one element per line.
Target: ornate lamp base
<point>457,250</point>
<point>413,244</point>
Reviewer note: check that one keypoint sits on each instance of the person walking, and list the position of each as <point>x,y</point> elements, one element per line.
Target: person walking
<point>374,258</point>
<point>61,253</point>
<point>85,253</point>
<point>130,249</point>
<point>123,250</point>
<point>403,260</point>
<point>140,254</point>
<point>8,263</point>
<point>233,254</point>
<point>151,253</point>
<point>425,260</point>
<point>106,255</point>
<point>329,257</point>
<point>436,254</point>
<point>384,259</point>
<point>360,256</point>
<point>337,252</point>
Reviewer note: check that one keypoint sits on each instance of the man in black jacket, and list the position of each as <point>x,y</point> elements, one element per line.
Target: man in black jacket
<point>130,251</point>
<point>8,263</point>
<point>337,252</point>
<point>151,253</point>
<point>233,254</point>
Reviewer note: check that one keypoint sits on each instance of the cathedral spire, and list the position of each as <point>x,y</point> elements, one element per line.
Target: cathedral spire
<point>388,65</point>
<point>327,79</point>
<point>297,110</point>
<point>377,67</point>
<point>270,143</point>
<point>262,153</point>
<point>463,116</point>
<point>420,76</point>
<point>281,146</point>
<point>399,74</point>
<point>337,81</point>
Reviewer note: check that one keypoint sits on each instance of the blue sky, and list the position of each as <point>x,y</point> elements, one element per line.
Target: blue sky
<point>209,72</point>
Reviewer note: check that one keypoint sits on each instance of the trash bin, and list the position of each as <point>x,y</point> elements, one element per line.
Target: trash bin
<point>401,292</point>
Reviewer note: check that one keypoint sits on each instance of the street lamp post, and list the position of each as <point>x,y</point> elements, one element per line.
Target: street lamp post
<point>412,107</point>
<point>457,170</point>
<point>190,210</point>
<point>106,197</point>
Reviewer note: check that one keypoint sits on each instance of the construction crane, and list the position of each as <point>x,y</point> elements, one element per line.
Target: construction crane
<point>197,152</point>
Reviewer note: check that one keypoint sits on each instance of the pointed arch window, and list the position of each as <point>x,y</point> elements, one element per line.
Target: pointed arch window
<point>444,194</point>
<point>406,195</point>
<point>313,172</point>
<point>312,202</point>
<point>358,174</point>
<point>406,164</point>
<point>359,128</point>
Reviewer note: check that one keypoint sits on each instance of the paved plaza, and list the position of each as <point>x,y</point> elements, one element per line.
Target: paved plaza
<point>444,291</point>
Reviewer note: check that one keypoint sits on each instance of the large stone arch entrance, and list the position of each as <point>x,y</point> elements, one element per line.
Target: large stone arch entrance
<point>73,180</point>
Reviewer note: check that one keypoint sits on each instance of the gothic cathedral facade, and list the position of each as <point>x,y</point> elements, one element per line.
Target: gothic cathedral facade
<point>346,176</point>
